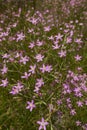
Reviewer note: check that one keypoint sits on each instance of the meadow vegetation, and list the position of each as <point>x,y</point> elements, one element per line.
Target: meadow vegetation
<point>43,65</point>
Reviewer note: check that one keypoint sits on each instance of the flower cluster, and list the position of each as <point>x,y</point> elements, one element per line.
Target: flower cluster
<point>43,67</point>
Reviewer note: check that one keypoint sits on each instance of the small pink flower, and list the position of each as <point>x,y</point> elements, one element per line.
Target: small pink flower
<point>26,75</point>
<point>34,21</point>
<point>78,57</point>
<point>31,46</point>
<point>62,53</point>
<point>18,55</point>
<point>79,41</point>
<point>30,30</point>
<point>17,88</point>
<point>43,68</point>
<point>78,123</point>
<point>47,68</point>
<point>80,104</point>
<point>55,46</point>
<point>73,112</point>
<point>4,83</point>
<point>5,56</point>
<point>40,43</point>
<point>4,70</point>
<point>42,124</point>
<point>24,59</point>
<point>59,36</point>
<point>51,38</point>
<point>36,90</point>
<point>39,82</point>
<point>39,57</point>
<point>32,69</point>
<point>68,40</point>
<point>59,102</point>
<point>20,36</point>
<point>30,105</point>
<point>47,29</point>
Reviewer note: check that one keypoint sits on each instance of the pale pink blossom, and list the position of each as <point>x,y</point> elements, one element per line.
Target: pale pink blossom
<point>4,83</point>
<point>4,69</point>
<point>42,124</point>
<point>32,69</point>
<point>39,57</point>
<point>30,105</point>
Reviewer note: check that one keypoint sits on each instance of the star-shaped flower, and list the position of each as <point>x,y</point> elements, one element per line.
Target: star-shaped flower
<point>42,124</point>
<point>30,105</point>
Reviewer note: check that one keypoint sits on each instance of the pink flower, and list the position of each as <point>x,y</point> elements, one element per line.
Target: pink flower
<point>47,29</point>
<point>20,36</point>
<point>4,70</point>
<point>17,88</point>
<point>43,68</point>
<point>36,89</point>
<point>39,57</point>
<point>59,36</point>
<point>78,123</point>
<point>40,43</point>
<point>30,105</point>
<point>80,104</point>
<point>77,89</point>
<point>5,56</point>
<point>78,58</point>
<point>55,46</point>
<point>32,44</point>
<point>34,21</point>
<point>26,75</point>
<point>4,83</point>
<point>51,38</point>
<point>18,54</point>
<point>42,124</point>
<point>68,40</point>
<point>47,68</point>
<point>62,53</point>
<point>59,102</point>
<point>30,30</point>
<point>24,59</point>
<point>32,69</point>
<point>79,41</point>
<point>39,82</point>
<point>73,112</point>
